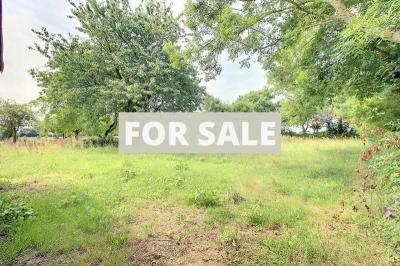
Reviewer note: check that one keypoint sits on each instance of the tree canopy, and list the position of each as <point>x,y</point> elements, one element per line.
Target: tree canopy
<point>255,101</point>
<point>14,116</point>
<point>321,52</point>
<point>124,60</point>
<point>213,104</point>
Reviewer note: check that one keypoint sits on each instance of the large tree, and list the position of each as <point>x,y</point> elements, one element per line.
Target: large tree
<point>124,60</point>
<point>298,110</point>
<point>255,101</point>
<point>213,104</point>
<point>323,51</point>
<point>13,117</point>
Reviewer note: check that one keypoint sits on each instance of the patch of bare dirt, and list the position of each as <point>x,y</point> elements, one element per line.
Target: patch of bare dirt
<point>176,237</point>
<point>30,188</point>
<point>37,258</point>
<point>33,258</point>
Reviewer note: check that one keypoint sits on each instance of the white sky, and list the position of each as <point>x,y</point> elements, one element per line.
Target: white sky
<point>20,16</point>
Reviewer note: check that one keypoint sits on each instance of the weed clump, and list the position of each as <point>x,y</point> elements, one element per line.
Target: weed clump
<point>118,239</point>
<point>13,213</point>
<point>128,175</point>
<point>255,215</point>
<point>180,181</point>
<point>182,167</point>
<point>72,201</point>
<point>235,197</point>
<point>379,192</point>
<point>205,198</point>
<point>228,237</point>
<point>93,142</point>
<point>256,218</point>
<point>220,215</point>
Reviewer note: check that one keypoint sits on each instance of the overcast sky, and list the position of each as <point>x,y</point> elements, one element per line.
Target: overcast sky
<point>20,16</point>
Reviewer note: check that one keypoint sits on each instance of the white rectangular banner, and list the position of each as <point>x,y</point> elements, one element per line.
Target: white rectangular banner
<point>199,132</point>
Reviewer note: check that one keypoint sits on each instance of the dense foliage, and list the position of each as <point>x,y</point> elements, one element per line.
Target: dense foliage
<point>378,196</point>
<point>213,104</point>
<point>317,53</point>
<point>123,60</point>
<point>255,101</point>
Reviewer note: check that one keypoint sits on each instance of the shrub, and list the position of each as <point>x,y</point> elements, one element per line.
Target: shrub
<point>287,132</point>
<point>99,142</point>
<point>28,132</point>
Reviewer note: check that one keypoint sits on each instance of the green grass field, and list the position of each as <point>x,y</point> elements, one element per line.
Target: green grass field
<point>98,207</point>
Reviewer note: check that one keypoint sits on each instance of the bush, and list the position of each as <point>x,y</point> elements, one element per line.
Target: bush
<point>394,125</point>
<point>287,132</point>
<point>28,133</point>
<point>99,142</point>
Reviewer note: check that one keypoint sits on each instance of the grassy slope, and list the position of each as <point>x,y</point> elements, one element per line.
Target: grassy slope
<point>97,206</point>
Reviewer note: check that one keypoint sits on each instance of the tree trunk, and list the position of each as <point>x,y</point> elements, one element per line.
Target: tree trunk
<point>110,128</point>
<point>304,129</point>
<point>76,134</point>
<point>340,126</point>
<point>14,134</point>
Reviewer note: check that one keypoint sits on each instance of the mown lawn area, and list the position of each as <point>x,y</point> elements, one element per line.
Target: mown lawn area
<point>98,207</point>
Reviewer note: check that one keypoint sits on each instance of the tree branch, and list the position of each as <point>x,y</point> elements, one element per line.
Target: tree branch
<point>344,15</point>
<point>112,126</point>
<point>341,10</point>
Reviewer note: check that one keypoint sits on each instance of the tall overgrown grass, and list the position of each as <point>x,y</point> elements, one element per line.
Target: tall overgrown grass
<point>92,205</point>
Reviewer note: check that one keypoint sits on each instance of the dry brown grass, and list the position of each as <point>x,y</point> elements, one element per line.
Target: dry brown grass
<point>35,144</point>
